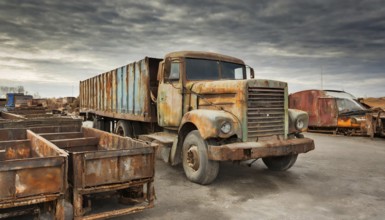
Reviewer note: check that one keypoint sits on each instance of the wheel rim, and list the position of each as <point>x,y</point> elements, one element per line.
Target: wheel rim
<point>193,157</point>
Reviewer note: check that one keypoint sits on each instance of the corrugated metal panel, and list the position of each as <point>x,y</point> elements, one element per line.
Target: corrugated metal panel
<point>131,86</point>
<point>124,89</point>
<point>123,92</point>
<point>114,91</point>
<point>137,92</point>
<point>119,90</point>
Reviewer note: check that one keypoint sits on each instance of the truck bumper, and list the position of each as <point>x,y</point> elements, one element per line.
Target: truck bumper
<point>254,150</point>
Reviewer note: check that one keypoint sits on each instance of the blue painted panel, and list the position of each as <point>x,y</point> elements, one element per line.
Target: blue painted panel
<point>119,90</point>
<point>137,109</point>
<point>131,86</point>
<point>10,100</point>
<point>143,89</point>
<point>124,89</point>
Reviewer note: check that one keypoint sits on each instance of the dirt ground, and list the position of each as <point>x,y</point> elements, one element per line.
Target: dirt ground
<point>343,178</point>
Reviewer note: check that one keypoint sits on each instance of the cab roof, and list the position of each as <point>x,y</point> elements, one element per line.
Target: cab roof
<point>204,55</point>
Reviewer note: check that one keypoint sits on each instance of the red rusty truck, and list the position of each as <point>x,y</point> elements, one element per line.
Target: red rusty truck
<point>338,112</point>
<point>200,108</point>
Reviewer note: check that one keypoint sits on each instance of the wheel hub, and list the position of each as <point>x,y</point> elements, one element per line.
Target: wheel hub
<point>193,158</point>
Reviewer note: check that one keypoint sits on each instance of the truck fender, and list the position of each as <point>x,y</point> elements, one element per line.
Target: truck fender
<point>208,123</point>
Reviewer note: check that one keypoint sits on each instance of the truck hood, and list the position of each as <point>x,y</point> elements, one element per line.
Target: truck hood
<point>227,95</point>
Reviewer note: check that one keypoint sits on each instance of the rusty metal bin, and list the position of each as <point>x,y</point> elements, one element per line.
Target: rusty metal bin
<point>33,175</point>
<point>107,167</point>
<point>11,120</point>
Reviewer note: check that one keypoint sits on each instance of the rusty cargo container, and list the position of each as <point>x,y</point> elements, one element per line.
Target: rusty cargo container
<point>33,175</point>
<point>338,112</point>
<point>122,93</point>
<point>104,167</point>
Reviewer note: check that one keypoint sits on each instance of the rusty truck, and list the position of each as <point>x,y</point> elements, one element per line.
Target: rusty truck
<point>338,112</point>
<point>200,108</point>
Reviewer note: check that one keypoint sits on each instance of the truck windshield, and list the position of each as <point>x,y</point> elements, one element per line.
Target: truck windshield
<point>348,105</point>
<point>201,69</point>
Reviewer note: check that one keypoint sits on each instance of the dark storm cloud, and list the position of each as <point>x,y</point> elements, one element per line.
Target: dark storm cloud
<point>292,41</point>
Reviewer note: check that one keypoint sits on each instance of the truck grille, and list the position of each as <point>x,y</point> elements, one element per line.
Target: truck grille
<point>265,112</point>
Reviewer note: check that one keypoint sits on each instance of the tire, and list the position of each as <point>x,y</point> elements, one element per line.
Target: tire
<point>124,128</point>
<point>98,124</point>
<point>197,167</point>
<point>280,163</point>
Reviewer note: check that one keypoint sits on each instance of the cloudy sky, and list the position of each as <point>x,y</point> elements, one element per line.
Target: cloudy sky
<point>49,46</point>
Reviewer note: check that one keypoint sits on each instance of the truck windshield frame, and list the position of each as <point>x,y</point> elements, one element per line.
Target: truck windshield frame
<point>205,69</point>
<point>348,105</point>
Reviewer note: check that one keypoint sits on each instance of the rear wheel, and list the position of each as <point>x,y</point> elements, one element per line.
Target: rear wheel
<point>124,128</point>
<point>280,163</point>
<point>197,167</point>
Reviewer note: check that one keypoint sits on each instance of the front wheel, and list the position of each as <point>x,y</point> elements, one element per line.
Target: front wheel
<point>197,167</point>
<point>280,163</point>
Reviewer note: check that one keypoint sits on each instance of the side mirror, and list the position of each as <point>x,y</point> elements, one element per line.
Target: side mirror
<point>160,71</point>
<point>249,72</point>
<point>252,76</point>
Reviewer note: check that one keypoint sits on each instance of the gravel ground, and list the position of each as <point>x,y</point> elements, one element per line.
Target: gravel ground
<point>343,178</point>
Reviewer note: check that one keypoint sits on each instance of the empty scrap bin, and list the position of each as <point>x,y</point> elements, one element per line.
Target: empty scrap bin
<point>107,167</point>
<point>33,175</point>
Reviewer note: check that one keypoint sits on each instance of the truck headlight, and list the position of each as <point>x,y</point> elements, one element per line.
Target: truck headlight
<point>299,124</point>
<point>298,120</point>
<point>226,127</point>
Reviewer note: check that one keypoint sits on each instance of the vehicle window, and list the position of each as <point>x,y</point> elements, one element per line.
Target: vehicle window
<point>347,105</point>
<point>200,69</point>
<point>197,69</point>
<point>174,72</point>
<point>232,71</point>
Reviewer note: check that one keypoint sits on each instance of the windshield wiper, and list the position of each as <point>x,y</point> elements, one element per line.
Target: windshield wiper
<point>355,112</point>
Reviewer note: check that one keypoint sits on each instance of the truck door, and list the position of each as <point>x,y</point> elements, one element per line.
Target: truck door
<point>170,93</point>
<point>327,112</point>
